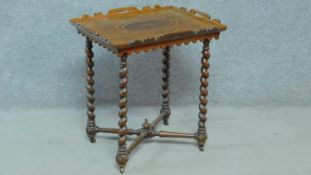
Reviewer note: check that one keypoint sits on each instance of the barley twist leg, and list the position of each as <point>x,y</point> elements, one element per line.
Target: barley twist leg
<point>165,85</point>
<point>201,134</point>
<point>91,126</point>
<point>122,155</point>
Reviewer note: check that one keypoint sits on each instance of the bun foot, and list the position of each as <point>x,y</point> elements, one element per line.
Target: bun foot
<point>201,148</point>
<point>165,122</point>
<point>121,169</point>
<point>93,140</point>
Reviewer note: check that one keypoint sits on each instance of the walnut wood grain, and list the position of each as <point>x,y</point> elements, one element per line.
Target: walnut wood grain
<point>128,30</point>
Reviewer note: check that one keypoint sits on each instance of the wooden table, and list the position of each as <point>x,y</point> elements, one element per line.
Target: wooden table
<point>127,30</point>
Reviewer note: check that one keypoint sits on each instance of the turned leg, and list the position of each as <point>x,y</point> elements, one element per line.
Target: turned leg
<point>201,134</point>
<point>165,85</point>
<point>91,127</point>
<point>122,155</point>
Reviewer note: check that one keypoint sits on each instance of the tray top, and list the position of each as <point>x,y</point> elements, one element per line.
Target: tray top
<point>130,29</point>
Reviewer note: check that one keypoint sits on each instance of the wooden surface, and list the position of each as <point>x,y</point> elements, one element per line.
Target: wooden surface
<point>127,30</point>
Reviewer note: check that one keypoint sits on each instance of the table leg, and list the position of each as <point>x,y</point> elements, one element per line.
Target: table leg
<point>165,85</point>
<point>201,134</point>
<point>122,155</point>
<point>91,126</point>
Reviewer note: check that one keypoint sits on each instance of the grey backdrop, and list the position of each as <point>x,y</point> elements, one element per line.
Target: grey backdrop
<point>263,57</point>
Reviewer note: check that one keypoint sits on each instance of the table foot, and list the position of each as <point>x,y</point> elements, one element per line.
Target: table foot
<point>122,161</point>
<point>91,133</point>
<point>201,138</point>
<point>93,140</point>
<point>121,169</point>
<point>166,116</point>
<point>201,148</point>
<point>165,122</point>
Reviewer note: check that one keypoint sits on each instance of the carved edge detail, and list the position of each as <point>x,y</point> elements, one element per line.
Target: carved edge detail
<point>140,45</point>
<point>128,11</point>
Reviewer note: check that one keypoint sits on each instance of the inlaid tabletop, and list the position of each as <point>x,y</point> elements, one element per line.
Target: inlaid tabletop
<point>129,29</point>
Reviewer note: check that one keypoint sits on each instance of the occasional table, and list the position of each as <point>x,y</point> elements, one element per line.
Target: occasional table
<point>124,31</point>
